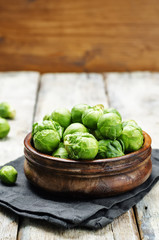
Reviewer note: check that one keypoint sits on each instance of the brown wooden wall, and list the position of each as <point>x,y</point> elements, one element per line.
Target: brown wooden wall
<point>79,35</point>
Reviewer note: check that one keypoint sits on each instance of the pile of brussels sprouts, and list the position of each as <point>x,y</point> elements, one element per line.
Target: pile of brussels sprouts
<point>86,133</point>
<point>6,112</point>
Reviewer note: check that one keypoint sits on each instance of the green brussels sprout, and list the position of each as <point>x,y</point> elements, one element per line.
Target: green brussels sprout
<point>41,126</point>
<point>132,136</point>
<point>109,149</point>
<point>46,141</point>
<point>77,111</point>
<point>8,175</point>
<point>91,115</point>
<point>60,152</point>
<point>46,135</point>
<point>82,146</point>
<point>75,127</point>
<point>47,124</point>
<point>110,125</point>
<point>47,117</point>
<point>112,110</point>
<point>6,111</point>
<point>4,127</point>
<point>62,116</point>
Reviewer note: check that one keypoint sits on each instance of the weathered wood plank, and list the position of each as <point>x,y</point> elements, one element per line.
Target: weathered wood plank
<point>77,36</point>
<point>8,225</point>
<point>18,89</point>
<point>136,96</point>
<point>67,90</point>
<point>124,227</point>
<point>147,212</point>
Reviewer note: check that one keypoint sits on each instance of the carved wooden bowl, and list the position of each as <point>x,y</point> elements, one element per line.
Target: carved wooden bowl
<point>95,178</point>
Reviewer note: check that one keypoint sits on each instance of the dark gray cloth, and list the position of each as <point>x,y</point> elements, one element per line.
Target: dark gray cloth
<point>26,200</point>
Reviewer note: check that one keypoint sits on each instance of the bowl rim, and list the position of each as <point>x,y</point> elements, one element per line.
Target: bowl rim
<point>30,148</point>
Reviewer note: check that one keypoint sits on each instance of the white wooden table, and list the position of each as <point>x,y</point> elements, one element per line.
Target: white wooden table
<point>135,95</point>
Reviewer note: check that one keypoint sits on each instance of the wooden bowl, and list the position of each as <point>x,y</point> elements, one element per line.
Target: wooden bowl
<point>97,178</point>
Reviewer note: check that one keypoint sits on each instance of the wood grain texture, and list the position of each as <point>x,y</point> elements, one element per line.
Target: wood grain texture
<point>68,90</point>
<point>147,212</point>
<point>8,224</point>
<point>127,221</point>
<point>18,89</point>
<point>77,36</point>
<point>136,96</point>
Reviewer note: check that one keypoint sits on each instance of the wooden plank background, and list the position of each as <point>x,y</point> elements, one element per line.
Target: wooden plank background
<point>77,36</point>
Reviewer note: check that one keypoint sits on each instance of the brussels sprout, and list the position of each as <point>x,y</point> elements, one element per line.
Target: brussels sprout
<point>75,127</point>
<point>132,136</point>
<point>8,175</point>
<point>47,117</point>
<point>6,111</point>
<point>4,127</point>
<point>60,152</point>
<point>47,124</point>
<point>109,149</point>
<point>77,111</point>
<point>82,146</point>
<point>62,116</point>
<point>46,141</point>
<point>46,135</point>
<point>110,125</point>
<point>91,115</point>
<point>112,110</point>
